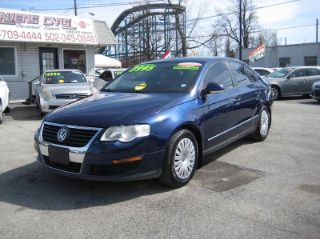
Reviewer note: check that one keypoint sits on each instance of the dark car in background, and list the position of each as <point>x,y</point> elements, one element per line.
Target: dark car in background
<point>316,91</point>
<point>293,81</point>
<point>157,120</point>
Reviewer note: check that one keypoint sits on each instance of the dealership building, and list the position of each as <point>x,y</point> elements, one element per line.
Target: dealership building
<point>306,54</point>
<point>31,43</point>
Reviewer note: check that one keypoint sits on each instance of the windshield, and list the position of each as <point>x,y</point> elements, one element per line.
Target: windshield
<point>63,77</point>
<point>157,78</point>
<point>280,73</point>
<point>118,73</point>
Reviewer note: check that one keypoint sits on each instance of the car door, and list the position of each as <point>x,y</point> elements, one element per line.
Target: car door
<point>220,107</point>
<point>249,96</point>
<point>295,84</point>
<point>314,75</point>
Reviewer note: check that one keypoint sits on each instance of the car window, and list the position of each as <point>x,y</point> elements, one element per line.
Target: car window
<point>219,73</point>
<point>299,73</point>
<point>280,73</point>
<point>63,77</point>
<point>106,75</point>
<point>313,71</point>
<point>262,72</point>
<point>239,73</point>
<point>250,74</point>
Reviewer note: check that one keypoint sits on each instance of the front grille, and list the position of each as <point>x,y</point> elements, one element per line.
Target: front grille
<point>71,167</point>
<point>317,93</point>
<point>70,96</point>
<point>75,138</point>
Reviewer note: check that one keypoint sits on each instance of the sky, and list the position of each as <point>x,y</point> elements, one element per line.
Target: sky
<point>298,13</point>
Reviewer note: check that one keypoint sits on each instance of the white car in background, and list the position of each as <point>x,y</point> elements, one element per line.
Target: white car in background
<point>263,71</point>
<point>60,87</point>
<point>103,76</point>
<point>4,98</point>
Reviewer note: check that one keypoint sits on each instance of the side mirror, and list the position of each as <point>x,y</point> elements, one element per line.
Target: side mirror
<point>36,82</point>
<point>291,76</point>
<point>212,87</point>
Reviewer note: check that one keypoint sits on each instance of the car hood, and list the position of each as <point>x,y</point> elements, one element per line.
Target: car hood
<point>272,79</point>
<point>105,109</point>
<point>70,88</point>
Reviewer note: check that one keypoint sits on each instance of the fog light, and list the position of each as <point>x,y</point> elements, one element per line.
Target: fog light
<point>128,160</point>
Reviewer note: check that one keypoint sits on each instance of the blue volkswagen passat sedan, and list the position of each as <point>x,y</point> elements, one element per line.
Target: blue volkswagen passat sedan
<point>157,120</point>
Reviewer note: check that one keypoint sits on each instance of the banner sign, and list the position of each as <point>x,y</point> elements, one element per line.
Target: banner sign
<point>22,26</point>
<point>258,53</point>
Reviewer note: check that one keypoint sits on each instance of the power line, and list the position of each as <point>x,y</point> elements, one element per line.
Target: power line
<point>270,29</point>
<point>83,6</point>
<point>254,8</point>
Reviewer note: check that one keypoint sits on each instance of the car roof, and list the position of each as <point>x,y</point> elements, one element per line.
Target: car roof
<point>62,70</point>
<point>303,67</point>
<point>197,59</point>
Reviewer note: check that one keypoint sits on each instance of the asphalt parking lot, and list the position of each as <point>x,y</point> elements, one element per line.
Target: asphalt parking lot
<point>247,190</point>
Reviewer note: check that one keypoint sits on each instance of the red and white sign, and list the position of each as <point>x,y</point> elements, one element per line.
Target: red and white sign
<point>167,54</point>
<point>23,26</point>
<point>258,53</point>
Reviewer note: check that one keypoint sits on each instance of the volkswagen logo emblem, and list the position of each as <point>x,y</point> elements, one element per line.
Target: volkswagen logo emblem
<point>62,134</point>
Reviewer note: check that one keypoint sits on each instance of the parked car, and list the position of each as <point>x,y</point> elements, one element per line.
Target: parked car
<point>262,71</point>
<point>316,90</point>
<point>157,120</point>
<point>60,87</point>
<point>106,76</point>
<point>4,98</point>
<point>291,81</point>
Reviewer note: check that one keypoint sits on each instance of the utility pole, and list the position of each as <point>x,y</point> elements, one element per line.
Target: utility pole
<point>240,23</point>
<point>317,29</point>
<point>75,7</point>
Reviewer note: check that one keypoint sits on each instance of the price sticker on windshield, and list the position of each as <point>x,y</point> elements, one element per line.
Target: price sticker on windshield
<point>142,68</point>
<point>140,86</point>
<point>53,74</point>
<point>192,66</point>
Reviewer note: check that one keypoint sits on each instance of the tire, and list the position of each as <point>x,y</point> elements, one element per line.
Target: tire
<point>262,130</point>
<point>1,116</point>
<point>276,94</point>
<point>42,114</point>
<point>181,159</point>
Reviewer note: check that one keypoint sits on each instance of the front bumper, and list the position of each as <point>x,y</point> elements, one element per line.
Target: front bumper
<point>48,105</point>
<point>94,162</point>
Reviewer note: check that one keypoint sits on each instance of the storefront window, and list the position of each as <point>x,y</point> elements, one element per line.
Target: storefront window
<point>7,61</point>
<point>75,59</point>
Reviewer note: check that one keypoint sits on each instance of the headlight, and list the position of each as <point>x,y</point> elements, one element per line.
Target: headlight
<point>46,94</point>
<point>125,133</point>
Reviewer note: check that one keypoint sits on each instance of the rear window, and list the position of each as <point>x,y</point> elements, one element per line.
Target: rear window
<point>64,77</point>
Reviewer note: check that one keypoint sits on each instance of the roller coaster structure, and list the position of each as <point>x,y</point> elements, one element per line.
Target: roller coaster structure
<point>146,32</point>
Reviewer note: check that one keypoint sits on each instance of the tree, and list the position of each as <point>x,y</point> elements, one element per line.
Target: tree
<point>229,22</point>
<point>189,38</point>
<point>268,38</point>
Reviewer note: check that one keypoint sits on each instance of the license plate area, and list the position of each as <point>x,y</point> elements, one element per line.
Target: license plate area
<point>58,155</point>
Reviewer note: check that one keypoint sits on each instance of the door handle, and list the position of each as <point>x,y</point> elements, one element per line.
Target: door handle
<point>257,92</point>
